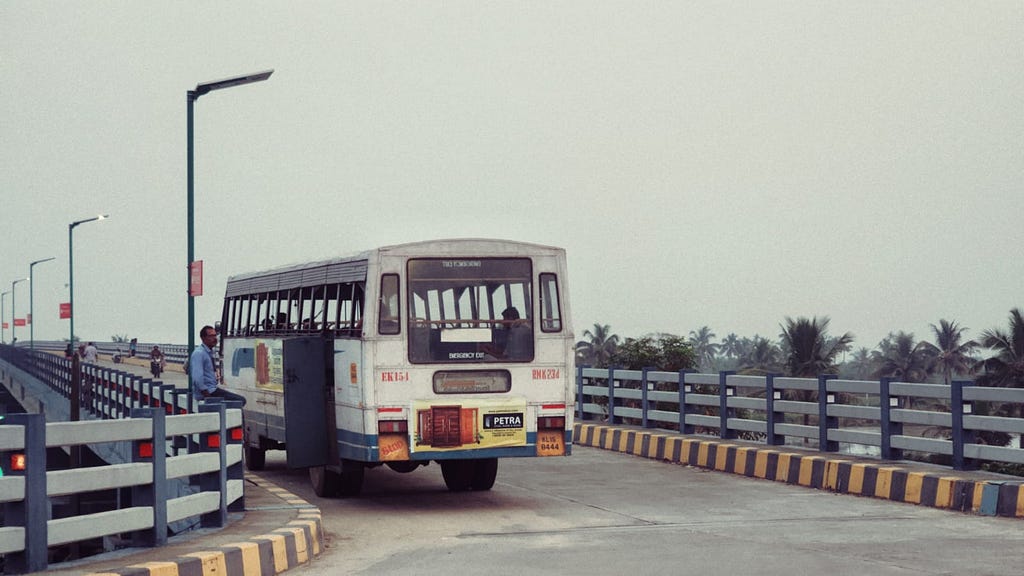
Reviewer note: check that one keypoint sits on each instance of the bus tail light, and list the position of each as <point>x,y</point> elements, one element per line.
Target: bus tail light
<point>551,422</point>
<point>235,435</point>
<point>213,440</point>
<point>392,427</point>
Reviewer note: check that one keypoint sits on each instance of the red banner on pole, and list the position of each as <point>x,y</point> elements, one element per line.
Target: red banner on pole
<point>19,322</point>
<point>195,285</point>
<point>6,326</point>
<point>29,318</point>
<point>65,310</point>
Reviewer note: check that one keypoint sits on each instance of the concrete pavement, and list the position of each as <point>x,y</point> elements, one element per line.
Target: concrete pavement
<point>973,491</point>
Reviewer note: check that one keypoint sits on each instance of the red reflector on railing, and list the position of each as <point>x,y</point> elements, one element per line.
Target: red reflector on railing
<point>236,434</point>
<point>145,449</point>
<point>18,462</point>
<point>213,441</point>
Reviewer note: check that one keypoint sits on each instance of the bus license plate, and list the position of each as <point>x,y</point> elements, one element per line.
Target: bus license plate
<point>550,443</point>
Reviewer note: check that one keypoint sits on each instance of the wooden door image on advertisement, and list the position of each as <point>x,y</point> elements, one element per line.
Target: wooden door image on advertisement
<point>446,426</point>
<point>467,426</point>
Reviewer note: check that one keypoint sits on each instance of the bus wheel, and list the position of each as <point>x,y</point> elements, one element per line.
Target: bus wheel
<point>350,481</point>
<point>255,458</point>
<point>485,470</point>
<point>326,483</point>
<point>458,474</point>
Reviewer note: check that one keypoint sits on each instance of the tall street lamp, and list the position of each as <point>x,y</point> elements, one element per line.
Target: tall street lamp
<point>14,313</point>
<point>3,297</point>
<point>71,270</point>
<point>31,310</point>
<point>193,95</point>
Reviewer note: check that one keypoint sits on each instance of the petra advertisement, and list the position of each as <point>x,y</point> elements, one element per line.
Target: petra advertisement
<point>469,424</point>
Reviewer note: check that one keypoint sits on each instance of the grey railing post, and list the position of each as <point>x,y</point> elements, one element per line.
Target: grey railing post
<point>961,436</point>
<point>684,408</point>
<point>826,422</point>
<point>889,428</point>
<point>217,480</point>
<point>611,395</point>
<point>724,392</point>
<point>643,397</point>
<point>236,471</point>
<point>31,513</point>
<point>772,417</point>
<point>155,494</point>
<point>580,414</point>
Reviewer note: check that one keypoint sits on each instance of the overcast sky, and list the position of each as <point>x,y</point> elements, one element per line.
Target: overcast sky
<point>703,163</point>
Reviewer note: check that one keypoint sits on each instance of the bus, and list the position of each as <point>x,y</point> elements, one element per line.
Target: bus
<point>457,352</point>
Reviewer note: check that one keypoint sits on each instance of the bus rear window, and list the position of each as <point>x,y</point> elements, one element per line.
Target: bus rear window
<point>468,310</point>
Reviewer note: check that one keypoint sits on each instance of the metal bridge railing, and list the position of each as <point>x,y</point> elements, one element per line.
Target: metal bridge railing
<point>170,469</point>
<point>961,425</point>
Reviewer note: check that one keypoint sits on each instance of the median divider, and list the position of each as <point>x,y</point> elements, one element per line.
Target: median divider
<point>898,481</point>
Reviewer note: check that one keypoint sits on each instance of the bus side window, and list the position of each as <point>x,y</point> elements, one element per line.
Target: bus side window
<point>550,306</point>
<point>389,316</point>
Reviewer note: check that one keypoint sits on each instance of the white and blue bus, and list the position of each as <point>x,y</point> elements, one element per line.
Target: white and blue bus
<point>453,351</point>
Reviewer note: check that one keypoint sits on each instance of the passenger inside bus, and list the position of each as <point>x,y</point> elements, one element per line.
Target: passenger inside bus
<point>517,345</point>
<point>511,337</point>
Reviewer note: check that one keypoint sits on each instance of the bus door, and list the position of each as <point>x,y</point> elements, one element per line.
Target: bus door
<point>309,402</point>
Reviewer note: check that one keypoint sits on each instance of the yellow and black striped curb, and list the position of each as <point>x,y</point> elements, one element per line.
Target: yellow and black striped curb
<point>293,545</point>
<point>987,497</point>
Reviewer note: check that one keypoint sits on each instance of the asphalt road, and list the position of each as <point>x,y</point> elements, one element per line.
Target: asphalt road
<point>600,512</point>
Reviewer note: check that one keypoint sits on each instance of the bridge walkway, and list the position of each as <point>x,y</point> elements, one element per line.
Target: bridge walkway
<point>276,531</point>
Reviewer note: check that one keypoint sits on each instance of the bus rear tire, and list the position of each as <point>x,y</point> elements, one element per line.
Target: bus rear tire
<point>255,458</point>
<point>485,470</point>
<point>458,474</point>
<point>326,483</point>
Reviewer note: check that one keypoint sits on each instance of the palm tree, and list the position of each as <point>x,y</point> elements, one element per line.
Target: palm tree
<point>900,358</point>
<point>811,350</point>
<point>860,365</point>
<point>759,355</point>
<point>704,348</point>
<point>599,346</point>
<point>1006,368</point>
<point>949,355</point>
<point>730,346</point>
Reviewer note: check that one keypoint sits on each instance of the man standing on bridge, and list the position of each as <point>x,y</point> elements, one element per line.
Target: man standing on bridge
<point>200,365</point>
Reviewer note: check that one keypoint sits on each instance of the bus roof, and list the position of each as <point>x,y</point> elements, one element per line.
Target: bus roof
<point>353,267</point>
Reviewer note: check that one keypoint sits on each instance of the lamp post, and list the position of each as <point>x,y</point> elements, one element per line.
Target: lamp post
<point>193,95</point>
<point>71,271</point>
<point>14,313</point>
<point>31,310</point>
<point>3,297</point>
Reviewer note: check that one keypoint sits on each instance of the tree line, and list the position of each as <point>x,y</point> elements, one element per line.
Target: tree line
<point>804,348</point>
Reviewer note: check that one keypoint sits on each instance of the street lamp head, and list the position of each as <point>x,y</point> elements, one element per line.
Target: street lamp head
<point>229,82</point>
<point>93,219</point>
<point>31,264</point>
